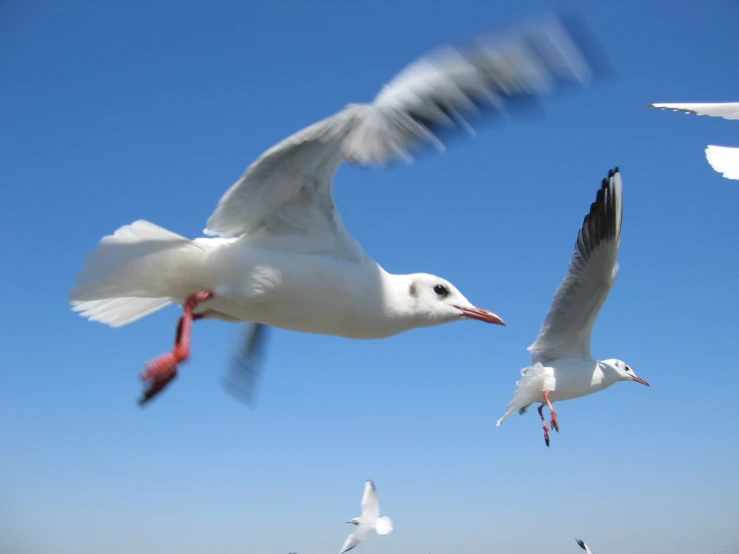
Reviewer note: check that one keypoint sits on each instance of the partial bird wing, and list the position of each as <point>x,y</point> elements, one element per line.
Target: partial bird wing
<point>245,372</point>
<point>289,189</point>
<point>592,272</point>
<point>727,110</point>
<point>724,160</point>
<point>359,535</point>
<point>584,546</point>
<point>370,504</point>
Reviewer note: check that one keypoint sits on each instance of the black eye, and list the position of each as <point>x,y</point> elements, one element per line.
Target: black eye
<point>441,290</point>
<point>628,368</point>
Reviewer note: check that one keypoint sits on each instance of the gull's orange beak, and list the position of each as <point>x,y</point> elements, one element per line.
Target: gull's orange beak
<point>639,380</point>
<point>482,315</point>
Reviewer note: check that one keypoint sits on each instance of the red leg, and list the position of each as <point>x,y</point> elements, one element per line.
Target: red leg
<point>162,370</point>
<point>544,422</point>
<point>555,423</point>
<point>178,335</point>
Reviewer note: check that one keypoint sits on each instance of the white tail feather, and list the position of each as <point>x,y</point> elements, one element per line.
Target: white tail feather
<point>528,389</point>
<point>383,525</point>
<point>118,312</point>
<point>135,271</point>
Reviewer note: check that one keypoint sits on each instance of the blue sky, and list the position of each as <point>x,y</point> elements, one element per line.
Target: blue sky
<point>120,111</point>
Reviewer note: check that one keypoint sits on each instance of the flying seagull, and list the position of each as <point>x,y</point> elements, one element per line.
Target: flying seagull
<point>369,520</point>
<point>563,367</point>
<point>723,159</point>
<point>277,251</point>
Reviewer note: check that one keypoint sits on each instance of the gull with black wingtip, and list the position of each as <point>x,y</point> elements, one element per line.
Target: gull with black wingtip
<point>278,253</point>
<point>563,367</point>
<point>369,521</point>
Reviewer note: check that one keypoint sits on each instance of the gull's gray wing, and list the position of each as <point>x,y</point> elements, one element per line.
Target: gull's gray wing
<point>289,189</point>
<point>727,110</point>
<point>593,269</point>
<point>361,532</point>
<point>370,504</point>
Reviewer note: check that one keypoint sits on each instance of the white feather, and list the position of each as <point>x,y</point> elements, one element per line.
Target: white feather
<point>534,380</point>
<point>140,260</point>
<point>726,110</point>
<point>117,312</point>
<point>724,160</point>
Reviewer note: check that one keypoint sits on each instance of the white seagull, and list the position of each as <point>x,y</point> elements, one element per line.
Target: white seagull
<point>280,254</point>
<point>369,520</point>
<point>723,159</point>
<point>584,546</point>
<point>563,367</point>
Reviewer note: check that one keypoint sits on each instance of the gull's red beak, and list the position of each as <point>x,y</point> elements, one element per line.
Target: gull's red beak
<point>639,380</point>
<point>482,315</point>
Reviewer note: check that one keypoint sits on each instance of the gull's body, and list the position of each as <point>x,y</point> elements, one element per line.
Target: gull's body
<point>288,290</point>
<point>280,254</point>
<point>723,159</point>
<point>369,521</point>
<point>562,364</point>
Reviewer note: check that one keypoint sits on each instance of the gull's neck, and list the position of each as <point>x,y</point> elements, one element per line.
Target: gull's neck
<point>609,374</point>
<point>397,306</point>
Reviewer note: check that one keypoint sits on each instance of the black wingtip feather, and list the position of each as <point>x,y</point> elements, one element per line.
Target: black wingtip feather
<point>518,104</point>
<point>581,543</point>
<point>603,219</point>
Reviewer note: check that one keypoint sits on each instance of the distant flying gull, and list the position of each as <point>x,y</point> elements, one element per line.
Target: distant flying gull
<point>723,159</point>
<point>584,546</point>
<point>563,365</point>
<point>281,255</point>
<point>369,520</point>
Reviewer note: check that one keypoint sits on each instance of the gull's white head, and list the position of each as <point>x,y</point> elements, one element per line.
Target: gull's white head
<point>431,300</point>
<point>622,371</point>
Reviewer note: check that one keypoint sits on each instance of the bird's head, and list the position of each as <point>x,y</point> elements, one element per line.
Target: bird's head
<point>622,371</point>
<point>431,300</point>
<point>354,520</point>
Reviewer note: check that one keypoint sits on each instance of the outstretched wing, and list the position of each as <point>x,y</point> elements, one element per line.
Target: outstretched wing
<point>727,110</point>
<point>359,535</point>
<point>370,504</point>
<point>289,189</point>
<point>593,269</point>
